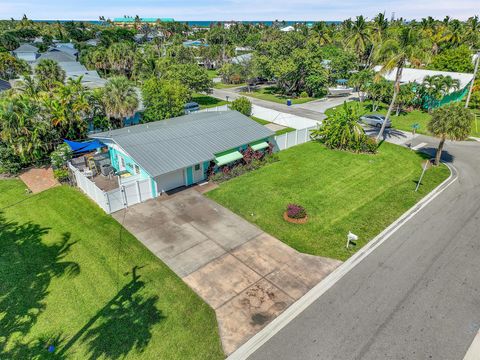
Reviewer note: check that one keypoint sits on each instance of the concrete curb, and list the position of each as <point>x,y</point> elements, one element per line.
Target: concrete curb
<point>255,342</point>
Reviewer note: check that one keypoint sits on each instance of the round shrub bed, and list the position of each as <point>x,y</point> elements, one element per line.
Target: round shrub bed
<point>295,214</point>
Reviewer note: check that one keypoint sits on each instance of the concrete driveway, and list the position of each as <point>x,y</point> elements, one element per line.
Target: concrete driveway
<point>246,275</point>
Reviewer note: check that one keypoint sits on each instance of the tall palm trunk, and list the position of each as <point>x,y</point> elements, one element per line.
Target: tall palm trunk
<point>396,90</point>
<point>438,155</point>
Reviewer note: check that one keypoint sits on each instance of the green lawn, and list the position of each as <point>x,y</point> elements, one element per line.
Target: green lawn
<point>212,73</point>
<point>206,101</point>
<point>227,86</point>
<point>404,121</point>
<point>66,279</point>
<point>341,192</point>
<point>265,122</point>
<point>269,94</point>
<point>476,124</point>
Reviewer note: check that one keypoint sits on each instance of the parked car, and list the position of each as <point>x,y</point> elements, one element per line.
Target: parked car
<point>375,120</point>
<point>191,107</point>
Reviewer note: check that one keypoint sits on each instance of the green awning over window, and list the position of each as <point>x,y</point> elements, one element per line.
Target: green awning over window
<point>259,145</point>
<point>225,158</point>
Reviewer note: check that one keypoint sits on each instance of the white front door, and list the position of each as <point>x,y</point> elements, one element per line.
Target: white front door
<point>198,173</point>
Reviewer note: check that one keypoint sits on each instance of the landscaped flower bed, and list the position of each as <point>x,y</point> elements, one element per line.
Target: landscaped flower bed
<point>295,214</point>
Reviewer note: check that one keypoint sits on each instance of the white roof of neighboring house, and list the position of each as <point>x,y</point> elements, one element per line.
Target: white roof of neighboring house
<point>92,42</point>
<point>417,75</point>
<point>287,28</point>
<point>26,48</point>
<point>241,59</point>
<point>69,45</point>
<point>243,48</point>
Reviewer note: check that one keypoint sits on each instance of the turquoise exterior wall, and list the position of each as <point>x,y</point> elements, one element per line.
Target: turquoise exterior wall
<point>189,176</point>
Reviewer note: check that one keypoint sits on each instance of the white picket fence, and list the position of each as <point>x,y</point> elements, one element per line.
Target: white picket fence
<point>293,138</point>
<point>127,194</point>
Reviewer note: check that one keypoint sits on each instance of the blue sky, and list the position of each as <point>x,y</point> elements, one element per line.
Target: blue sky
<point>237,9</point>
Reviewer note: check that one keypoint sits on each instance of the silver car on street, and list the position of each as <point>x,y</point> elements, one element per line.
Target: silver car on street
<point>375,120</point>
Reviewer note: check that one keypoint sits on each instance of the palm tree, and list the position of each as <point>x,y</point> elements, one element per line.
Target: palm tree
<point>473,30</point>
<point>360,81</point>
<point>49,74</point>
<point>119,99</point>
<point>435,87</point>
<point>359,36</point>
<point>453,122</point>
<point>455,32</point>
<point>393,54</point>
<point>341,130</point>
<point>380,26</point>
<point>121,58</point>
<point>323,32</point>
<point>24,130</point>
<point>68,108</point>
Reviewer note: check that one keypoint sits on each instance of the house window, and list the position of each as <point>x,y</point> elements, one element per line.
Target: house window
<point>137,169</point>
<point>197,167</point>
<point>122,162</point>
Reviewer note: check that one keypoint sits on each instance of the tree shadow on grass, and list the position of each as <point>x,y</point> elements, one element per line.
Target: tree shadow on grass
<point>124,324</point>
<point>27,267</point>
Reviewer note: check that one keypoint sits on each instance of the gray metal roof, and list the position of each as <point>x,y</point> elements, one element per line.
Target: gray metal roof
<point>241,59</point>
<point>164,146</point>
<point>58,56</point>
<point>66,49</point>
<point>26,48</point>
<point>4,85</point>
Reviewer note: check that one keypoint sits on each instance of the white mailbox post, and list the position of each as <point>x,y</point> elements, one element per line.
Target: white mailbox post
<point>351,237</point>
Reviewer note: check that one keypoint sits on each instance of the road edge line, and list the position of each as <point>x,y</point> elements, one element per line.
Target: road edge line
<point>256,341</point>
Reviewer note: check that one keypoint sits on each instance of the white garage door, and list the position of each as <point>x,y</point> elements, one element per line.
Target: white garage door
<point>170,181</point>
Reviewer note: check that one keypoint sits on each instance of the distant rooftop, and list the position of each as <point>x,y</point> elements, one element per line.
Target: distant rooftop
<point>26,48</point>
<point>131,19</point>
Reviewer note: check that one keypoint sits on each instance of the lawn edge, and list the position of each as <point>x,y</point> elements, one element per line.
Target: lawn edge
<point>255,342</point>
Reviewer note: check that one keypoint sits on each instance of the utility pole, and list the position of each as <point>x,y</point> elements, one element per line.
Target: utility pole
<point>477,60</point>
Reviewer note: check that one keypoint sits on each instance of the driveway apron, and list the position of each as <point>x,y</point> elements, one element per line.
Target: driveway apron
<point>247,276</point>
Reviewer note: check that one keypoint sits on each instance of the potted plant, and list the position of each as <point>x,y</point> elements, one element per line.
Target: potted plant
<point>295,214</point>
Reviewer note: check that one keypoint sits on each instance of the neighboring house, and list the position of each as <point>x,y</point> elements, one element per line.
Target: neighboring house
<point>92,42</point>
<point>241,59</point>
<point>57,55</point>
<point>180,151</point>
<point>287,29</point>
<point>65,49</point>
<point>26,52</point>
<point>4,85</point>
<point>66,57</point>
<point>410,75</point>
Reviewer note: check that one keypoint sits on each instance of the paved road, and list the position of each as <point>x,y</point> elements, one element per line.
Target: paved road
<point>415,297</point>
<point>232,95</point>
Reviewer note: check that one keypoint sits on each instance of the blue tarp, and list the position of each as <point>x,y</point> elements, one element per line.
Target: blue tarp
<point>83,146</point>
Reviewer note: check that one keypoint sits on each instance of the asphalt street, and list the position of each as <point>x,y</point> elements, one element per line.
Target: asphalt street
<point>415,297</point>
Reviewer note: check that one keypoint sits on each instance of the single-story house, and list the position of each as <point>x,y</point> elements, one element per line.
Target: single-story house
<point>26,52</point>
<point>243,59</point>
<point>410,75</point>
<point>67,59</point>
<point>287,28</point>
<point>180,151</point>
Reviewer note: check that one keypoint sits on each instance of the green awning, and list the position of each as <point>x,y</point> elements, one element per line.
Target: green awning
<point>259,146</point>
<point>229,157</point>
